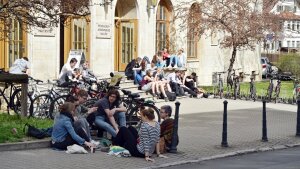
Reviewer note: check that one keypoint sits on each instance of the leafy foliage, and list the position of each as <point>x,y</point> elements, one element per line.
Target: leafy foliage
<point>290,63</point>
<point>39,13</point>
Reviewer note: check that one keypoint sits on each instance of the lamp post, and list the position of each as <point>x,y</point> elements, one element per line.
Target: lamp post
<point>151,5</point>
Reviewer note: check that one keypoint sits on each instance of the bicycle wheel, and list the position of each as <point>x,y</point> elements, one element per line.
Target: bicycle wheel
<point>133,118</point>
<point>40,106</point>
<point>55,105</point>
<point>15,102</point>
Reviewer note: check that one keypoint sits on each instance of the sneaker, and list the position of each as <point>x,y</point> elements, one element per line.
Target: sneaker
<point>166,99</point>
<point>175,66</point>
<point>170,66</point>
<point>97,143</point>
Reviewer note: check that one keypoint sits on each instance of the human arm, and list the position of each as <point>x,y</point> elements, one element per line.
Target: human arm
<point>157,147</point>
<point>70,129</point>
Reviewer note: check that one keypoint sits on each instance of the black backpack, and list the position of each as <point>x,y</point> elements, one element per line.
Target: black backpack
<point>171,96</point>
<point>32,131</point>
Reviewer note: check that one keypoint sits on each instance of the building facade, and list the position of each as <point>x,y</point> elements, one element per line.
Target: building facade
<point>118,31</point>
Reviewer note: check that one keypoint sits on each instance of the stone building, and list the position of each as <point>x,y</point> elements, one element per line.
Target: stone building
<point>116,32</point>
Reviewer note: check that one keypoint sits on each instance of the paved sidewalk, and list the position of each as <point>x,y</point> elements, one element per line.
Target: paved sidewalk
<point>200,132</point>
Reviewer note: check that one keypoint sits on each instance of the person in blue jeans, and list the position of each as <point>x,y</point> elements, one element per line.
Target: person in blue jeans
<point>110,108</point>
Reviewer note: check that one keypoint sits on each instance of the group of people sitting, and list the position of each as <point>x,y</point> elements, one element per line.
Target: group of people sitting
<point>150,76</point>
<point>72,126</point>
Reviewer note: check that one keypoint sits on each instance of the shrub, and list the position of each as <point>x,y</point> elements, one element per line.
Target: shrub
<point>290,63</point>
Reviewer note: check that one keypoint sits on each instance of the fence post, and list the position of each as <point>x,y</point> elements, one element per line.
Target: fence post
<point>298,118</point>
<point>264,123</point>
<point>224,133</point>
<point>174,142</point>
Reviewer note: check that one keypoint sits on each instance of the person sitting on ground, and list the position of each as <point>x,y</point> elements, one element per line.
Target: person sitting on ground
<point>139,70</point>
<point>179,60</point>
<point>184,87</point>
<point>142,143</point>
<point>161,84</point>
<point>20,66</point>
<point>175,83</point>
<point>190,82</point>
<point>86,73</point>
<point>166,56</point>
<point>148,83</point>
<point>64,134</point>
<point>160,62</point>
<point>110,107</point>
<point>166,128</point>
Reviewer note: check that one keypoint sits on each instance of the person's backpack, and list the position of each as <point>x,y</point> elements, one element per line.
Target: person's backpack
<point>32,131</point>
<point>171,96</point>
<point>128,70</point>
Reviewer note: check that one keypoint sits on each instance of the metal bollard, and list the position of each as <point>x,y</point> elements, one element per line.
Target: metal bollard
<point>174,142</point>
<point>264,123</point>
<point>224,133</point>
<point>298,118</point>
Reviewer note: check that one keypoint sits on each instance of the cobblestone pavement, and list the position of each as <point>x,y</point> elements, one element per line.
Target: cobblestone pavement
<point>200,137</point>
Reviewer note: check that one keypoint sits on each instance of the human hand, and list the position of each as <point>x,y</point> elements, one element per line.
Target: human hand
<point>92,109</point>
<point>75,118</point>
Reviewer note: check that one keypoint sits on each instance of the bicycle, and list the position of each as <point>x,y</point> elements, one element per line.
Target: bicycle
<point>219,91</point>
<point>252,87</point>
<point>270,89</point>
<point>277,89</point>
<point>296,90</point>
<point>236,84</point>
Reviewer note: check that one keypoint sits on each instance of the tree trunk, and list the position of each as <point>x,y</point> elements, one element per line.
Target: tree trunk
<point>232,60</point>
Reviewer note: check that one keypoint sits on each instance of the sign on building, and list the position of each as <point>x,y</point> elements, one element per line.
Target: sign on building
<point>103,30</point>
<point>79,55</point>
<point>44,32</point>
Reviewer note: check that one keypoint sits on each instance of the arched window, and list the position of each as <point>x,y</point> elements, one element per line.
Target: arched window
<point>192,33</point>
<point>163,18</point>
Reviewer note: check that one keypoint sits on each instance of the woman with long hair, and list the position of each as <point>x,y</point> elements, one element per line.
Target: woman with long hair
<point>64,134</point>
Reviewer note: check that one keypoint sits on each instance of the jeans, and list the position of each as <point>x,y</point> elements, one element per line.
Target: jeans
<point>175,61</point>
<point>101,121</point>
<point>138,77</point>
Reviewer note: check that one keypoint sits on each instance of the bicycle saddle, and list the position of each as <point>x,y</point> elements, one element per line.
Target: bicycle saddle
<point>126,92</point>
<point>134,95</point>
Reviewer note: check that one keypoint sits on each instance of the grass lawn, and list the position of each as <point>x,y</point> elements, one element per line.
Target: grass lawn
<point>8,122</point>
<point>286,90</point>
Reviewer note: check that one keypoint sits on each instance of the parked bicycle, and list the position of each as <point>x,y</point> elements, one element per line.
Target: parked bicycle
<point>236,84</point>
<point>252,87</point>
<point>218,89</point>
<point>296,90</point>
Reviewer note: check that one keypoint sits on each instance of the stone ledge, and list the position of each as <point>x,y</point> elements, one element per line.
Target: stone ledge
<point>45,143</point>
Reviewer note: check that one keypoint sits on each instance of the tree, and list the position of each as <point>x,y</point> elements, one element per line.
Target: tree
<point>242,23</point>
<point>39,13</point>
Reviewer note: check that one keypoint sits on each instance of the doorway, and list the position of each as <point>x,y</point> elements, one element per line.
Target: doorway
<point>126,30</point>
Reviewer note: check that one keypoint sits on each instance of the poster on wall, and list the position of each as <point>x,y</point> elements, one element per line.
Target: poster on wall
<point>44,32</point>
<point>103,30</point>
<point>79,55</point>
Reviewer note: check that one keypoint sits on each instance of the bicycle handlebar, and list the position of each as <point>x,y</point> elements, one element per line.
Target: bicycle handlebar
<point>36,80</point>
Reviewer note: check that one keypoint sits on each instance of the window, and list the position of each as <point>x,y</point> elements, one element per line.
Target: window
<point>15,42</point>
<point>298,44</point>
<point>192,36</point>
<point>288,25</point>
<point>79,34</point>
<point>293,25</point>
<point>163,26</point>
<point>288,43</point>
<point>293,44</point>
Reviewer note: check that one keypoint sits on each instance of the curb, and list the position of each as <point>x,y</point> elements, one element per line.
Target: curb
<point>45,143</point>
<point>231,154</point>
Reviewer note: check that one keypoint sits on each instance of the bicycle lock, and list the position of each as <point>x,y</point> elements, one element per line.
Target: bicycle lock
<point>224,133</point>
<point>298,118</point>
<point>174,142</point>
<point>264,122</point>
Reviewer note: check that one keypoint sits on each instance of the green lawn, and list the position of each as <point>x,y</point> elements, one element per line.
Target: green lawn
<point>8,122</point>
<point>261,88</point>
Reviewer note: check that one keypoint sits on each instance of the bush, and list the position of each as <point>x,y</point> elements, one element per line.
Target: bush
<point>290,63</point>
